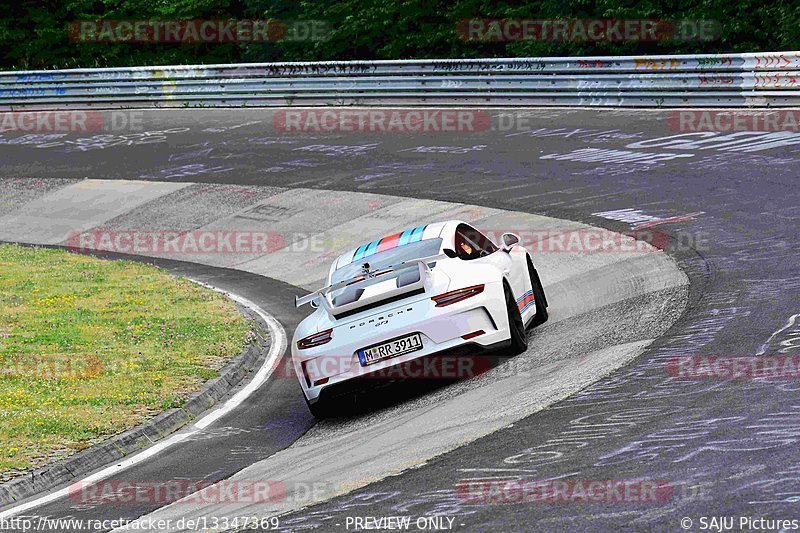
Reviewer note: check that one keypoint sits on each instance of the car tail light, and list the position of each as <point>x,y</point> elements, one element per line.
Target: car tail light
<point>317,339</point>
<point>472,335</point>
<point>457,295</point>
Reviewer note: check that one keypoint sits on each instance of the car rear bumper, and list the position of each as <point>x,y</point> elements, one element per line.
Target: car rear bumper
<point>462,362</point>
<point>482,319</point>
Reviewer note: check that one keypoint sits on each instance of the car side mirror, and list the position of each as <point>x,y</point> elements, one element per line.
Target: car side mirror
<point>450,253</point>
<point>508,241</point>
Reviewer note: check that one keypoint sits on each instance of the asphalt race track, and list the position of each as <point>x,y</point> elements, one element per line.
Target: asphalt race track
<point>610,306</point>
<point>727,200</point>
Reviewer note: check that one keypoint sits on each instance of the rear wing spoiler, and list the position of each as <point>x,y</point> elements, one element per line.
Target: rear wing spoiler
<point>422,264</point>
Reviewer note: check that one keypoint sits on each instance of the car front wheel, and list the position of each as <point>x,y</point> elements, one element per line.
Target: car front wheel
<point>519,339</point>
<point>538,296</point>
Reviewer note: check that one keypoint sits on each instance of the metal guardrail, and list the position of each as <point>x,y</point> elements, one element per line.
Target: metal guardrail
<point>746,80</point>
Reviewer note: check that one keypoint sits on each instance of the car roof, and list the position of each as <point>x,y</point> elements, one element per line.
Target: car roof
<point>401,238</point>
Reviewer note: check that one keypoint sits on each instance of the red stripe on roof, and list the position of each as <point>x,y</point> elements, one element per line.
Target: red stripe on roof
<point>387,243</point>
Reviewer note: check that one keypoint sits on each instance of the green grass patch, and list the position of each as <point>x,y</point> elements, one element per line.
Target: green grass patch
<point>90,348</point>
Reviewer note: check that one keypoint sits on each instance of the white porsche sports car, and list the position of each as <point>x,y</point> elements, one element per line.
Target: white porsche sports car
<point>426,290</point>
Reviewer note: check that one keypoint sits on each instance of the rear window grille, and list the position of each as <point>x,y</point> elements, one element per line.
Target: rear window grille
<point>373,305</point>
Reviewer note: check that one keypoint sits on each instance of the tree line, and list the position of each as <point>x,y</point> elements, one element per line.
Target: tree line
<point>36,34</point>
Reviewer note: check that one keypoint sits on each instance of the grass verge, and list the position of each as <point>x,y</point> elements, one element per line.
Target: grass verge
<point>90,348</point>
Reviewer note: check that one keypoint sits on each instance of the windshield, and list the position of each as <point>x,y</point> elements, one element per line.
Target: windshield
<point>407,252</point>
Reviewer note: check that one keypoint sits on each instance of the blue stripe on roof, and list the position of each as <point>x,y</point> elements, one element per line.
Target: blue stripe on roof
<point>360,252</point>
<point>416,235</point>
<point>405,237</point>
<point>372,248</point>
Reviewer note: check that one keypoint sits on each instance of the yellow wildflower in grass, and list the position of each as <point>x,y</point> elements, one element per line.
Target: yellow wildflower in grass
<point>89,347</point>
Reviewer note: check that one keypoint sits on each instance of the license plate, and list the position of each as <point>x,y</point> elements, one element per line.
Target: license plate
<point>403,345</point>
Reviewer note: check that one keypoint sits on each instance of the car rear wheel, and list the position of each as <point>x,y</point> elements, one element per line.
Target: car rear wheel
<point>541,315</point>
<point>519,339</point>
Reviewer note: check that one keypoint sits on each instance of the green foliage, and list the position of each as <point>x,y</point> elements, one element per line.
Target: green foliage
<point>34,34</point>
